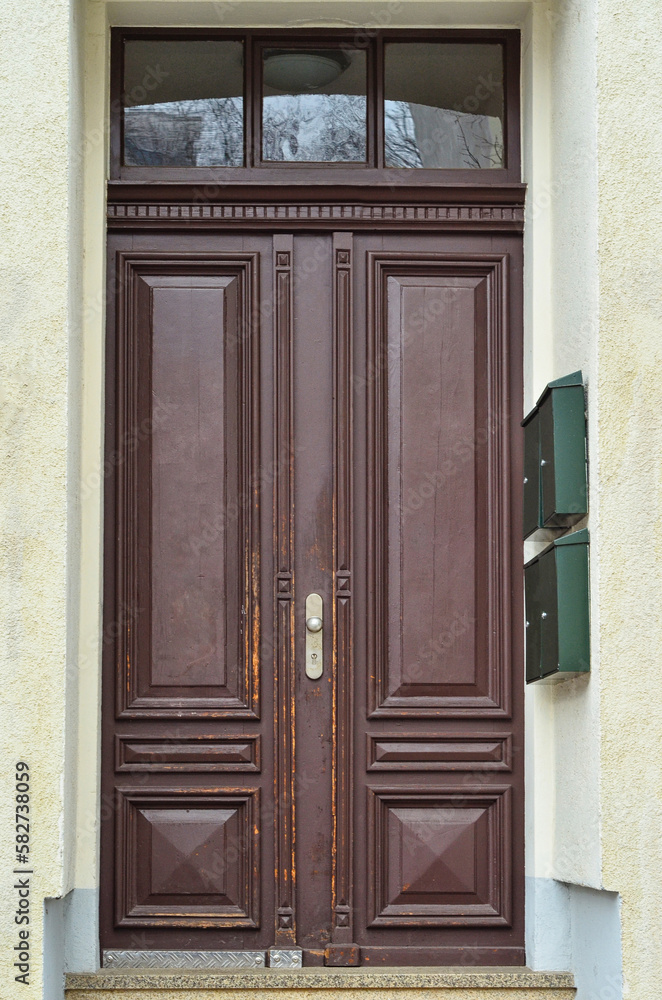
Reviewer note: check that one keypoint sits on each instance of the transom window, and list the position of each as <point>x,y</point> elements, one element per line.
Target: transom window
<point>188,104</point>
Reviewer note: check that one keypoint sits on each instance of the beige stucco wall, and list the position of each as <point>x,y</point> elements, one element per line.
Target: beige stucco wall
<point>629,405</point>
<point>96,63</point>
<point>575,294</point>
<point>592,146</point>
<point>40,256</point>
<point>597,742</point>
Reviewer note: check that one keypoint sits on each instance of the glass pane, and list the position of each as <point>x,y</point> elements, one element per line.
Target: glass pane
<point>444,105</point>
<point>314,105</point>
<point>184,104</point>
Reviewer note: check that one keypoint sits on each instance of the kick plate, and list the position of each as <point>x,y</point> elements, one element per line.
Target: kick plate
<point>184,960</point>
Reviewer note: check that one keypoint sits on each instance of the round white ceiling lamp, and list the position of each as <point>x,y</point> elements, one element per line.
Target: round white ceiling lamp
<point>296,71</point>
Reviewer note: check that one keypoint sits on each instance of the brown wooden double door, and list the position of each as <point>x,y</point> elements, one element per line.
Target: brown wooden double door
<point>314,412</point>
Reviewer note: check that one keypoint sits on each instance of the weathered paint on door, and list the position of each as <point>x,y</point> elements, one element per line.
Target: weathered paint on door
<point>314,411</point>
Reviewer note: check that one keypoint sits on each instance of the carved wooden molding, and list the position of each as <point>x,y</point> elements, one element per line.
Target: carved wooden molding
<point>342,934</point>
<point>408,826</point>
<point>187,754</point>
<point>491,695</point>
<point>136,696</point>
<point>148,838</point>
<point>205,215</point>
<point>458,752</point>
<point>284,589</point>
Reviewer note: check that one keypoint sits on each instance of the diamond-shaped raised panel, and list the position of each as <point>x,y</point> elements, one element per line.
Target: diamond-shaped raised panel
<point>187,858</point>
<point>436,852</point>
<point>440,857</point>
<point>186,848</point>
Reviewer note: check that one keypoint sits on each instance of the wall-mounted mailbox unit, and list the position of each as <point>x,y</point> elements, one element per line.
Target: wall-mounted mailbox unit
<point>557,610</point>
<point>555,480</point>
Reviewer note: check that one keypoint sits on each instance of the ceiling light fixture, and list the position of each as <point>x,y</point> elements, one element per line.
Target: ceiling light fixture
<point>296,71</point>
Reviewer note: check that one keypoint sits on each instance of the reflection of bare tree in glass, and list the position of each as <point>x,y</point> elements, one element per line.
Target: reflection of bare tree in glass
<point>474,139</point>
<point>221,140</point>
<point>185,133</point>
<point>160,136</point>
<point>402,145</point>
<point>322,128</point>
<point>418,135</point>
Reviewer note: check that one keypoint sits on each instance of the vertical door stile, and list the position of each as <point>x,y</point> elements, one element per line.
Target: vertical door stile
<point>127,474</point>
<point>342,951</point>
<point>284,715</point>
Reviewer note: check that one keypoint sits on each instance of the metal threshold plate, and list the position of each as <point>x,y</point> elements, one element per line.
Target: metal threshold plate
<point>184,959</point>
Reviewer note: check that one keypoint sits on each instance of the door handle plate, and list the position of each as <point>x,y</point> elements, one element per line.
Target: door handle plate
<point>314,636</point>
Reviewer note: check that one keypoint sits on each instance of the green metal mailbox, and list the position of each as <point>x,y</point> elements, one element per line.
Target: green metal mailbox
<point>557,610</point>
<point>555,480</point>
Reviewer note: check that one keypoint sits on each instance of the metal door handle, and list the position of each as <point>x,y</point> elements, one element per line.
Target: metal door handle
<point>314,630</point>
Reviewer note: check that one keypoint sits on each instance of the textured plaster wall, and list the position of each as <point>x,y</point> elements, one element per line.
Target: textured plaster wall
<point>570,779</point>
<point>629,408</point>
<point>40,255</point>
<point>601,784</point>
<point>95,144</point>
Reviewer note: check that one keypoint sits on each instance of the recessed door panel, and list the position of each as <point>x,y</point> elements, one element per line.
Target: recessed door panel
<point>194,482</point>
<point>188,858</point>
<point>439,859</point>
<point>186,448</point>
<point>437,559</point>
<point>430,413</point>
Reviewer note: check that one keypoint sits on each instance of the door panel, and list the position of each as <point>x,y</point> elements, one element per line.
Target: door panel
<point>188,811</point>
<point>328,413</point>
<point>186,451</point>
<point>438,462</point>
<point>438,859</point>
<point>431,546</point>
<point>195,470</point>
<point>188,857</point>
<point>437,770</point>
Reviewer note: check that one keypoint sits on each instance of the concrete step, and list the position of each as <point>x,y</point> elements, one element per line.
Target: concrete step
<point>323,984</point>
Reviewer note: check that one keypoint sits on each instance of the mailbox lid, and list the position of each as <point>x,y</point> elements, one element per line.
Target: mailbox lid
<point>532,598</point>
<point>572,574</point>
<point>532,493</point>
<point>563,455</point>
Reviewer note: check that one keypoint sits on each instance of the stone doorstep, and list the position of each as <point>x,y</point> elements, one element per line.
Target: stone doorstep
<point>318,984</point>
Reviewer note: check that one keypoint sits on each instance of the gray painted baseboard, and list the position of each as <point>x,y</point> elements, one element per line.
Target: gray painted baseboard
<point>569,929</point>
<point>81,930</point>
<point>575,929</point>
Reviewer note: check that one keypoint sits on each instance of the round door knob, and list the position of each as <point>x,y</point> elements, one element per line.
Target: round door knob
<point>314,624</point>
